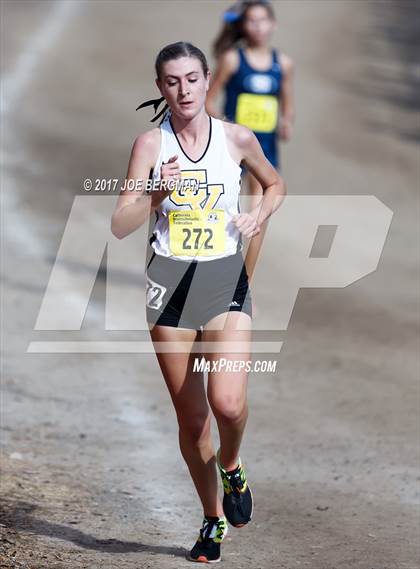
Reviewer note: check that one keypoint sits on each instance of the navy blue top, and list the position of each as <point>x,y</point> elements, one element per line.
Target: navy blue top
<point>250,80</point>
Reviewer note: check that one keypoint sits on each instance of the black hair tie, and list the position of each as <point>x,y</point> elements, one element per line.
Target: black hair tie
<point>156,103</point>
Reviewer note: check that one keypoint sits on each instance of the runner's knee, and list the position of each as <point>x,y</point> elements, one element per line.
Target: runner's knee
<point>195,426</point>
<point>229,409</point>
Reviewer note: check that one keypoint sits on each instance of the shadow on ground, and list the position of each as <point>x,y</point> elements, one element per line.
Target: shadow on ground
<point>19,516</point>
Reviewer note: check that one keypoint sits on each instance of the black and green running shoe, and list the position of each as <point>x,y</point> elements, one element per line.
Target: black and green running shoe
<point>237,499</point>
<point>207,546</point>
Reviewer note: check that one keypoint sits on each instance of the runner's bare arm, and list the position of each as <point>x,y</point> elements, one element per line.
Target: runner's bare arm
<point>274,189</point>
<point>134,207</point>
<point>287,114</point>
<point>226,66</point>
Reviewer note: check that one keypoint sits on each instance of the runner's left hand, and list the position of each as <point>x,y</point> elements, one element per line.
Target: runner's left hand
<point>246,224</point>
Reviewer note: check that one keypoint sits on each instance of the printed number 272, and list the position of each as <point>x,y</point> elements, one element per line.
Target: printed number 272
<point>196,241</point>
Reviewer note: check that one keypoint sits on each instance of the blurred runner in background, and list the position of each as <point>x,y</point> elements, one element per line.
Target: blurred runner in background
<point>257,82</point>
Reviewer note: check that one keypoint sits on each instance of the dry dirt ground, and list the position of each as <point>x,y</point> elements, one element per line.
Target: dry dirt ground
<point>91,472</point>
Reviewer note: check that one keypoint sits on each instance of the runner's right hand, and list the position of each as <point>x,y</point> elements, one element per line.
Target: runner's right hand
<point>170,172</point>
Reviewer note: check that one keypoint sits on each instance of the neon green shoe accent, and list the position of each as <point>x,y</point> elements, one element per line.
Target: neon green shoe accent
<point>218,532</point>
<point>226,478</point>
<point>221,531</point>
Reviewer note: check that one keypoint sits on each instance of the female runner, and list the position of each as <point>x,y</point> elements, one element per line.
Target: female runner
<point>197,284</point>
<point>257,82</point>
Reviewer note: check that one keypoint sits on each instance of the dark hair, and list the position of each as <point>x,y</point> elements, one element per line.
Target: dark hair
<point>168,53</point>
<point>177,50</point>
<point>232,31</point>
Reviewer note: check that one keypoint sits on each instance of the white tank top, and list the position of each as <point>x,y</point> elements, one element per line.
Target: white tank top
<point>195,221</point>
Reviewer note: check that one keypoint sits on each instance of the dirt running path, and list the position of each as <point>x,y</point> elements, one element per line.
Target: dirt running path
<point>91,473</point>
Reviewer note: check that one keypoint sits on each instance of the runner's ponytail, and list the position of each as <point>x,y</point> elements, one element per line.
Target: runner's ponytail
<point>156,103</point>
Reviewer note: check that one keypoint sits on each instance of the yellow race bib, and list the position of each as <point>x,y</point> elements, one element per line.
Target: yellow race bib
<point>257,112</point>
<point>197,233</point>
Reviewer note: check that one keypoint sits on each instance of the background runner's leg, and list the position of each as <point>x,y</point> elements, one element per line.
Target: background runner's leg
<point>254,190</point>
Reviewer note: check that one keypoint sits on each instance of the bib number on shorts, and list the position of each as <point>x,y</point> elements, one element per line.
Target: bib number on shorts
<point>197,233</point>
<point>154,294</point>
<point>257,112</point>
